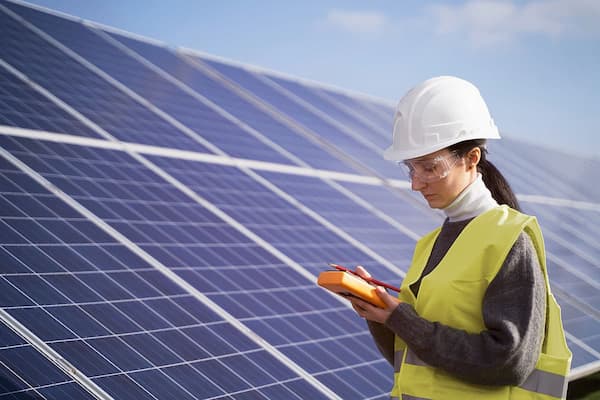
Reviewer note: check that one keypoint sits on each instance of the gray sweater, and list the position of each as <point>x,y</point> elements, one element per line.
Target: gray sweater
<point>514,309</point>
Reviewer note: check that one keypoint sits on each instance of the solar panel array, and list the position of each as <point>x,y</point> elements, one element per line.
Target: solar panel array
<point>164,215</point>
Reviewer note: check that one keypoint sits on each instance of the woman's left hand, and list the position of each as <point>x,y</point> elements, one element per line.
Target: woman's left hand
<point>374,313</point>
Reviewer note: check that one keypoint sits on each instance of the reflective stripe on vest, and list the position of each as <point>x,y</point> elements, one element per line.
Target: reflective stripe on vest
<point>474,259</point>
<point>398,360</point>
<point>538,381</point>
<point>412,358</point>
<point>546,383</point>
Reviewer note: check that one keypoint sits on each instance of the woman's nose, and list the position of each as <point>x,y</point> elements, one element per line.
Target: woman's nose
<point>416,184</point>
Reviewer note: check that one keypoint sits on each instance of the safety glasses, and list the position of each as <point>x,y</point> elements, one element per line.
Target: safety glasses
<point>431,169</point>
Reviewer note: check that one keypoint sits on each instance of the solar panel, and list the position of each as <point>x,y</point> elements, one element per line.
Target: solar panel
<point>184,249</point>
<point>163,217</point>
<point>379,234</point>
<point>570,175</point>
<point>90,94</point>
<point>221,263</point>
<point>318,122</point>
<point>24,107</point>
<point>26,374</point>
<point>267,122</point>
<point>377,114</point>
<point>113,316</point>
<point>362,130</point>
<point>181,104</point>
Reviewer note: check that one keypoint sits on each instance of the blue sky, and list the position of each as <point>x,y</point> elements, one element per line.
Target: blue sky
<point>537,63</point>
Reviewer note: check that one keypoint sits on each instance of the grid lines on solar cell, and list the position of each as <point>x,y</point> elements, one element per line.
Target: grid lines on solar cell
<point>319,335</point>
<point>573,232</point>
<point>118,320</point>
<point>571,257</point>
<point>383,118</point>
<point>569,176</point>
<point>399,204</point>
<point>271,217</point>
<point>534,182</point>
<point>111,109</point>
<point>26,374</point>
<point>231,271</point>
<point>249,113</point>
<point>582,328</point>
<point>350,121</point>
<point>574,278</point>
<point>319,125</point>
<point>354,219</point>
<point>23,107</point>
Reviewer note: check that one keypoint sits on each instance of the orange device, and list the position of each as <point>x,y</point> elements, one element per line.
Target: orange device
<point>370,280</point>
<point>347,284</point>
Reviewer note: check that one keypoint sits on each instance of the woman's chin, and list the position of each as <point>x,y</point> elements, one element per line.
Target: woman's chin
<point>436,202</point>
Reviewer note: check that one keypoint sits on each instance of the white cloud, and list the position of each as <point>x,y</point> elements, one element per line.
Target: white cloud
<point>361,22</point>
<point>493,21</point>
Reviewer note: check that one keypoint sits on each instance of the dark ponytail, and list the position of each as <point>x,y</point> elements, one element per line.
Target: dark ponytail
<point>493,179</point>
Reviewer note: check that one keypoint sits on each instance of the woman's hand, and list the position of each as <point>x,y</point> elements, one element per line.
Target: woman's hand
<point>369,311</point>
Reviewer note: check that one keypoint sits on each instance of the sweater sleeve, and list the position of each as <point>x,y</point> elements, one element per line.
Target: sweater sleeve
<point>506,352</point>
<point>384,340</point>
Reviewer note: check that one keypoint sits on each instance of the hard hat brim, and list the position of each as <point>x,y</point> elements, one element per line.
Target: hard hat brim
<point>392,154</point>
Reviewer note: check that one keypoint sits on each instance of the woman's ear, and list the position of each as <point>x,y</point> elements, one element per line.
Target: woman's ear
<point>473,157</point>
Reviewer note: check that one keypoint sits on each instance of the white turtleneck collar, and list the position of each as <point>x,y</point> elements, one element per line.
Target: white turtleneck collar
<point>475,199</point>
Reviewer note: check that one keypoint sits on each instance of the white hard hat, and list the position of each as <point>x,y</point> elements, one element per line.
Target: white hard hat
<point>438,113</point>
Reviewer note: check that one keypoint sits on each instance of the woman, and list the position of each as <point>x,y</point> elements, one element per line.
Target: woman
<point>475,318</point>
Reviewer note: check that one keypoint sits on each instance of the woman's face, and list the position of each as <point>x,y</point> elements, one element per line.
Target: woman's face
<point>441,176</point>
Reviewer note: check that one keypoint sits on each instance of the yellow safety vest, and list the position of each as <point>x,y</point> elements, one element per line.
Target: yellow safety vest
<point>453,293</point>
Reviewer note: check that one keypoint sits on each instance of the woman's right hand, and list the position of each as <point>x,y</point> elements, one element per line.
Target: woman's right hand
<point>367,310</point>
<point>363,273</point>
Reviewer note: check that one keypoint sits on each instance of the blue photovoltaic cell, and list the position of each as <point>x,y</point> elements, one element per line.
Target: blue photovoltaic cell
<point>368,110</point>
<point>354,219</point>
<point>334,135</point>
<point>350,122</point>
<point>118,320</point>
<point>581,327</point>
<point>527,177</point>
<point>191,112</point>
<point>536,166</point>
<point>265,213</point>
<point>25,374</point>
<point>230,101</point>
<point>574,276</point>
<point>289,311</point>
<point>579,171</point>
<point>583,281</point>
<point>23,107</point>
<point>382,113</point>
<point>323,336</point>
<point>401,204</point>
<point>575,232</point>
<point>91,95</point>
<point>581,356</point>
